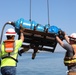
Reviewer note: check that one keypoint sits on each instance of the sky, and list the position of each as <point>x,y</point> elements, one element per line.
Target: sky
<point>62,13</point>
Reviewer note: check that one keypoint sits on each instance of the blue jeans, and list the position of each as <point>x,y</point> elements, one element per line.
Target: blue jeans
<point>8,70</point>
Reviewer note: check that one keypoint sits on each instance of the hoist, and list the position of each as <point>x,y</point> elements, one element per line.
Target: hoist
<point>39,37</point>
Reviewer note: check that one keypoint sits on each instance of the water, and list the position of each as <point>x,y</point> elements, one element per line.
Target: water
<point>43,64</point>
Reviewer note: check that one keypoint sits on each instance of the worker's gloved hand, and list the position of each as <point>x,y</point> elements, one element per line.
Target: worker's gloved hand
<point>21,28</point>
<point>61,34</point>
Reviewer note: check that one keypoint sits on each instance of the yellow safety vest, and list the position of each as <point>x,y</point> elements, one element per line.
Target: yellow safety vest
<point>9,54</point>
<point>69,61</point>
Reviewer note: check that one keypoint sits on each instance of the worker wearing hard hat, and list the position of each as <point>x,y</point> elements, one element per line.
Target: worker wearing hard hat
<point>9,52</point>
<point>70,56</point>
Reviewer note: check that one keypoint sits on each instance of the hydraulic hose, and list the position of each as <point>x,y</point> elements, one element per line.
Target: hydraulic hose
<point>10,23</point>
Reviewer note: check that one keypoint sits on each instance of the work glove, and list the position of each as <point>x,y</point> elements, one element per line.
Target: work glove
<point>61,34</point>
<point>21,28</point>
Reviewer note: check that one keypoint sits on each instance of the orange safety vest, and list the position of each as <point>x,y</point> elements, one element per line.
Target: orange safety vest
<point>9,46</point>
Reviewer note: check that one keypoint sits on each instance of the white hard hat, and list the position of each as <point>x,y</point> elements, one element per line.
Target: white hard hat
<point>73,35</point>
<point>10,31</point>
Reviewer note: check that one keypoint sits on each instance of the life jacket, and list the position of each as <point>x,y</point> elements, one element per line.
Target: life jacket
<point>9,49</point>
<point>69,61</point>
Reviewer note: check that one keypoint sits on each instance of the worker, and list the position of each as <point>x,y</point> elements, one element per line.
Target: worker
<point>70,55</point>
<point>9,52</point>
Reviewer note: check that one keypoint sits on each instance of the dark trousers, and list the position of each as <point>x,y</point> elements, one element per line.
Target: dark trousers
<point>8,70</point>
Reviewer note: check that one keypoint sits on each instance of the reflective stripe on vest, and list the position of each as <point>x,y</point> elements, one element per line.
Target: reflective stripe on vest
<point>8,49</point>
